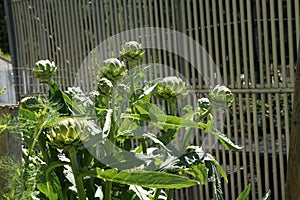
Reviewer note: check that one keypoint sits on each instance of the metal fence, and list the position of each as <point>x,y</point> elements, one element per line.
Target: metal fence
<point>253,44</point>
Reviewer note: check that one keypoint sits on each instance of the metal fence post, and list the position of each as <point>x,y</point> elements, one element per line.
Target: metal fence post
<point>12,43</point>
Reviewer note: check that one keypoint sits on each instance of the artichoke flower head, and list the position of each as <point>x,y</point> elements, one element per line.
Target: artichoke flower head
<point>113,70</point>
<point>171,88</point>
<point>44,70</point>
<point>132,51</point>
<point>221,96</point>
<point>104,87</point>
<point>204,103</point>
<point>67,133</point>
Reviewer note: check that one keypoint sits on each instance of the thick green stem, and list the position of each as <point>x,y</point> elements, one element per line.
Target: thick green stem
<point>172,107</point>
<point>76,172</point>
<point>157,193</point>
<point>108,186</point>
<point>170,194</point>
<point>144,146</point>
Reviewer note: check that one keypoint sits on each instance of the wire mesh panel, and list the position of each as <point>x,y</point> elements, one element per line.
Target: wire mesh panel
<point>253,44</point>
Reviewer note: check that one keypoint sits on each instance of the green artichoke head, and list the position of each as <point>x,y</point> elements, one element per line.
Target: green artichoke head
<point>44,70</point>
<point>221,96</point>
<point>67,133</point>
<point>113,70</point>
<point>104,87</point>
<point>204,103</point>
<point>132,51</point>
<point>171,88</point>
<point>31,103</point>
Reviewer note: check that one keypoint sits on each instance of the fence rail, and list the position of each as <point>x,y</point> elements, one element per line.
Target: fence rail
<point>253,44</point>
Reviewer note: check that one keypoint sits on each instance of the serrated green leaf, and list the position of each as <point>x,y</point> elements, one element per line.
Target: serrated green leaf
<point>210,158</point>
<point>127,125</point>
<point>27,114</point>
<point>245,194</point>
<point>148,179</point>
<point>226,142</point>
<point>147,92</point>
<point>199,171</point>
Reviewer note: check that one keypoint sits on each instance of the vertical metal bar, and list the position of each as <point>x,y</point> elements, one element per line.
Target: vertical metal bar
<point>230,84</point>
<point>209,37</point>
<point>238,84</point>
<point>278,109</point>
<point>216,37</point>
<point>253,85</point>
<point>274,84</point>
<point>10,21</point>
<point>225,77</point>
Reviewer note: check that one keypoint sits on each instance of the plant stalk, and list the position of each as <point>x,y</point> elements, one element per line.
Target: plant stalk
<point>170,194</point>
<point>144,146</point>
<point>172,107</point>
<point>77,176</point>
<point>108,186</point>
<point>157,193</point>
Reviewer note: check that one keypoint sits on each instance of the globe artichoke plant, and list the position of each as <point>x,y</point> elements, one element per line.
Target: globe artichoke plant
<point>95,156</point>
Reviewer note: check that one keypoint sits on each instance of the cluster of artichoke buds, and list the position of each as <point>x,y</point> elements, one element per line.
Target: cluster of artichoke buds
<point>132,51</point>
<point>44,70</point>
<point>171,88</point>
<point>221,96</point>
<point>113,70</point>
<point>104,87</point>
<point>67,133</point>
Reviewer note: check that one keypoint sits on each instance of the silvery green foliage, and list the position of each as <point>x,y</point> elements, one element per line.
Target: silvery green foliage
<point>44,70</point>
<point>132,51</point>
<point>221,96</point>
<point>171,88</point>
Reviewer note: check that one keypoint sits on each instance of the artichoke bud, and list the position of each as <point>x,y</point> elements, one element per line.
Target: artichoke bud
<point>171,88</point>
<point>221,96</point>
<point>132,51</point>
<point>66,133</point>
<point>104,87</point>
<point>31,103</point>
<point>204,103</point>
<point>44,70</point>
<point>113,69</point>
<point>93,95</point>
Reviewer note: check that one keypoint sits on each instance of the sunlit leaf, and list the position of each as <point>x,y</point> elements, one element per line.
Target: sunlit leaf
<point>226,142</point>
<point>245,194</point>
<point>149,179</point>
